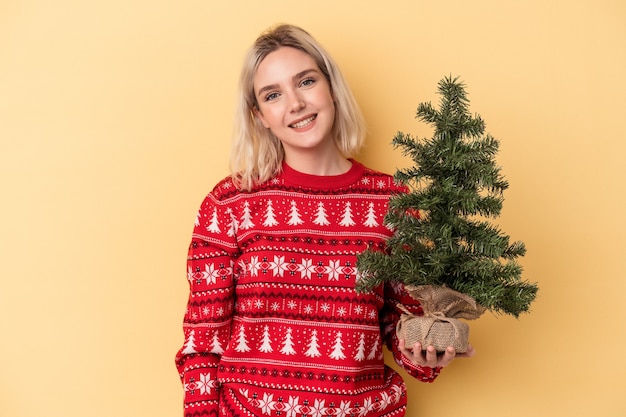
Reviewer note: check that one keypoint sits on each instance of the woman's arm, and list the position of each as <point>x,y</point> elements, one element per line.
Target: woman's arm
<point>206,324</point>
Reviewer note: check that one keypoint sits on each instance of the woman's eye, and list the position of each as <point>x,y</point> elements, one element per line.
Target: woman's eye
<point>307,82</point>
<point>271,96</point>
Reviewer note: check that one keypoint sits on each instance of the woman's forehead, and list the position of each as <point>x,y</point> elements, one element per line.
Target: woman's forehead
<point>282,65</point>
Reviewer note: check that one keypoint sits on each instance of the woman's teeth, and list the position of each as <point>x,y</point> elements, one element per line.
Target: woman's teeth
<point>303,123</point>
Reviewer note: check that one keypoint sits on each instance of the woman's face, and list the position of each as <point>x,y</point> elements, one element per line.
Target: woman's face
<point>295,102</point>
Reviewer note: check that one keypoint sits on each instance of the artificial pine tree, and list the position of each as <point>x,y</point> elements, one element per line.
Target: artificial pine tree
<point>442,233</point>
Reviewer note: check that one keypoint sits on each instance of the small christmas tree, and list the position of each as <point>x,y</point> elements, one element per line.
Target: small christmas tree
<point>442,235</point>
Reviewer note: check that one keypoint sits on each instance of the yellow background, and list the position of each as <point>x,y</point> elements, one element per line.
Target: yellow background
<point>115,120</point>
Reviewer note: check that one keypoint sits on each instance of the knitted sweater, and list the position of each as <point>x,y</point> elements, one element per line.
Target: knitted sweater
<point>273,325</point>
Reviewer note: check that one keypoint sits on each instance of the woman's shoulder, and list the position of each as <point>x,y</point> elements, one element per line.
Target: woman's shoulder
<point>224,189</point>
<point>374,172</point>
<point>382,180</point>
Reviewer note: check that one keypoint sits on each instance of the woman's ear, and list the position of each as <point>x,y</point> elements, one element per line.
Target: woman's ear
<point>259,115</point>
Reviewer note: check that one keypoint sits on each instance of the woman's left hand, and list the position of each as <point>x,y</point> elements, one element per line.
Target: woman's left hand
<point>430,358</point>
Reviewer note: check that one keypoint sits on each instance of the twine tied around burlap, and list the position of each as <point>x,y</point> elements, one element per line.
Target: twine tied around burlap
<point>439,326</point>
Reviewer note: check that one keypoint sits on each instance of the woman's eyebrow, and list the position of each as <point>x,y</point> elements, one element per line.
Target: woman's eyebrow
<point>295,77</point>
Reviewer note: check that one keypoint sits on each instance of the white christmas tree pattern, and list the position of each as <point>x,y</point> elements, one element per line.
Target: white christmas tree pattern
<point>370,219</point>
<point>216,346</point>
<point>190,343</point>
<point>346,217</point>
<point>321,217</point>
<point>374,350</point>
<point>270,218</point>
<point>313,347</point>
<point>242,345</point>
<point>337,352</point>
<point>266,346</point>
<point>233,225</point>
<point>287,348</point>
<point>360,354</point>
<point>246,218</point>
<point>294,215</point>
<point>214,226</point>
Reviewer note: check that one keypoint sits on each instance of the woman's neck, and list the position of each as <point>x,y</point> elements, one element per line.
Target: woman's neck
<point>322,165</point>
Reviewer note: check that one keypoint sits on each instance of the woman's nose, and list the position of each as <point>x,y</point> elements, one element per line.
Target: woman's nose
<point>296,102</point>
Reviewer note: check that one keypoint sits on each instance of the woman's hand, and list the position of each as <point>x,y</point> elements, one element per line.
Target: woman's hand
<point>430,357</point>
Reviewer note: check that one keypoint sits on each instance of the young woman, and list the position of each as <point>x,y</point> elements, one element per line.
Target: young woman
<point>273,325</point>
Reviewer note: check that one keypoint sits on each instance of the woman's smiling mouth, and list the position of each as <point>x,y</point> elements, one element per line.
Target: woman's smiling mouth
<point>303,123</point>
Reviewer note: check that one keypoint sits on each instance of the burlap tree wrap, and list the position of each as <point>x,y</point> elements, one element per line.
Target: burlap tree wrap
<point>439,326</point>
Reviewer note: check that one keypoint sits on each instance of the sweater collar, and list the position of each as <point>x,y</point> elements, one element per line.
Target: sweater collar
<point>301,179</point>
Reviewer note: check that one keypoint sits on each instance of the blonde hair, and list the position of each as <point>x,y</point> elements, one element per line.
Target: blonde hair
<point>257,154</point>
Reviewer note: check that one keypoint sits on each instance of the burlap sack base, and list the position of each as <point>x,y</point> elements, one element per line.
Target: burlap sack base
<point>439,326</point>
<point>439,332</point>
<point>443,301</point>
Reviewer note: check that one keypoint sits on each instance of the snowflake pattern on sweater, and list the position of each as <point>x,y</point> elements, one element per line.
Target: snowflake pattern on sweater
<point>273,325</point>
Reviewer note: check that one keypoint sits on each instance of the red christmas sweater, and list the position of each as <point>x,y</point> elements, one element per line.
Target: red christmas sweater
<point>273,325</point>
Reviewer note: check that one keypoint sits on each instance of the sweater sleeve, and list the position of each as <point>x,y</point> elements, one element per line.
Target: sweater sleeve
<point>206,324</point>
<point>396,294</point>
